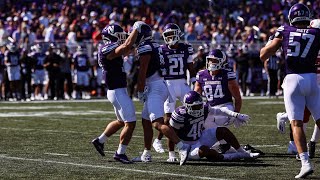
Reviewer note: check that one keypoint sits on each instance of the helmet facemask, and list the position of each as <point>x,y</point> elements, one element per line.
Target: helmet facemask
<point>171,37</point>
<point>214,63</point>
<point>196,109</point>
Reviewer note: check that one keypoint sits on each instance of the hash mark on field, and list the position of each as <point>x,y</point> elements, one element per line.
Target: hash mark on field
<point>56,154</point>
<point>105,167</point>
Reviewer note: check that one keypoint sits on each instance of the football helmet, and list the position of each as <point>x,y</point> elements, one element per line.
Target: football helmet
<point>215,60</point>
<point>113,33</point>
<point>171,34</point>
<point>315,23</point>
<point>298,12</point>
<point>12,47</point>
<point>144,35</point>
<point>193,103</point>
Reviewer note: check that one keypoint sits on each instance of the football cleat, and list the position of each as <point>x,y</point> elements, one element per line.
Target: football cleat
<point>281,122</point>
<point>292,149</point>
<point>121,158</point>
<point>99,146</point>
<point>183,153</point>
<point>247,155</point>
<point>145,157</point>
<point>305,171</point>
<point>157,145</point>
<point>251,149</point>
<point>172,159</point>
<point>311,149</point>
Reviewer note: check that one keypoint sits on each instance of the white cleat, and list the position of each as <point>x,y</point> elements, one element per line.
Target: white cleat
<point>143,158</point>
<point>305,171</point>
<point>250,155</point>
<point>281,122</point>
<point>183,153</point>
<point>172,159</point>
<point>157,145</point>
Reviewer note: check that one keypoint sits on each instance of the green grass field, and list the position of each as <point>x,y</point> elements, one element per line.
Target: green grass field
<point>51,140</point>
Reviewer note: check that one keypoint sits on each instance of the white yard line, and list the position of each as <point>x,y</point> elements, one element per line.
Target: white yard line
<point>56,154</point>
<point>105,167</point>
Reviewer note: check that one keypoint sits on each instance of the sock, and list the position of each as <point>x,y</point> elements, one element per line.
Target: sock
<point>316,134</point>
<point>304,158</point>
<point>231,156</point>
<point>122,149</point>
<point>179,144</point>
<point>241,150</point>
<point>146,151</point>
<point>172,154</point>
<point>102,138</point>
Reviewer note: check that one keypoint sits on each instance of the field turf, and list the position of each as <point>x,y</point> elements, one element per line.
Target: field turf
<point>51,140</point>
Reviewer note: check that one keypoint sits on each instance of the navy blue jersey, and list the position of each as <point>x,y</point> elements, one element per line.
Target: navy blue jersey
<point>113,69</point>
<point>12,58</point>
<point>300,47</point>
<point>39,60</point>
<point>81,62</point>
<point>156,63</point>
<point>216,87</point>
<point>176,60</point>
<point>188,128</point>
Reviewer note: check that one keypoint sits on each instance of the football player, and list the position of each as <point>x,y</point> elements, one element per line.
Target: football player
<point>111,60</point>
<point>152,91</point>
<point>12,61</point>
<point>218,83</point>
<point>300,46</point>
<point>178,59</point>
<point>40,75</point>
<point>188,121</point>
<point>81,67</point>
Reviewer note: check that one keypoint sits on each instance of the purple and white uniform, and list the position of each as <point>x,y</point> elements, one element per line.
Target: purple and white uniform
<point>217,92</point>
<point>176,63</point>
<point>116,83</point>
<point>82,66</point>
<point>300,47</point>
<point>12,60</point>
<point>157,91</point>
<point>40,75</point>
<point>191,130</point>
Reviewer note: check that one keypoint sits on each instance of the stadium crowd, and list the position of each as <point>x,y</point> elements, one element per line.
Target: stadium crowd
<point>59,30</point>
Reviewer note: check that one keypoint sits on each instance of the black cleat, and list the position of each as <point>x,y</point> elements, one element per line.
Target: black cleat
<point>99,146</point>
<point>121,158</point>
<point>252,149</point>
<point>311,149</point>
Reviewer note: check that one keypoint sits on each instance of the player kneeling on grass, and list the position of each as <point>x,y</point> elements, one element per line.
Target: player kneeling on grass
<point>188,121</point>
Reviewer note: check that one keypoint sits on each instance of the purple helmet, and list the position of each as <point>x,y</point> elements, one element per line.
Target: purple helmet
<point>145,34</point>
<point>171,34</point>
<point>113,33</point>
<point>215,60</point>
<point>193,103</point>
<point>298,12</point>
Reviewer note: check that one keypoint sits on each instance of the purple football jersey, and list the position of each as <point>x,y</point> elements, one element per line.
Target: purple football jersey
<point>176,60</point>
<point>39,60</point>
<point>216,87</point>
<point>188,128</point>
<point>81,62</point>
<point>300,47</point>
<point>113,68</point>
<point>12,57</point>
<point>156,63</point>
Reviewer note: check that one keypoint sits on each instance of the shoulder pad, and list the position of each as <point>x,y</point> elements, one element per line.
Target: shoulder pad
<point>144,48</point>
<point>108,48</point>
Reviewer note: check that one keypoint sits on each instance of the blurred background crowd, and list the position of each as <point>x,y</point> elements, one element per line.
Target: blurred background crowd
<point>65,27</point>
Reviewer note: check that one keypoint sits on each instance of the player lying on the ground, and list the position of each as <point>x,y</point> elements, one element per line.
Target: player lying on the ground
<point>188,121</point>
